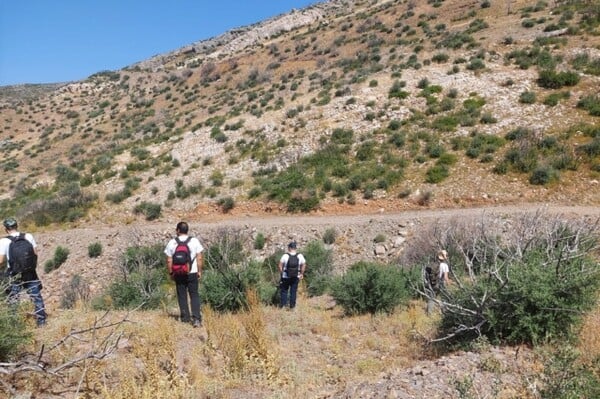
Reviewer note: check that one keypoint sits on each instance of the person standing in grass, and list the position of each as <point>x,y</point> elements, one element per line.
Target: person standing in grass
<point>19,251</point>
<point>184,265</point>
<point>291,268</point>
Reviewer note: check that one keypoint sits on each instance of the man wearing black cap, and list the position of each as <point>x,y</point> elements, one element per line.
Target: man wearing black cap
<point>291,267</point>
<point>22,271</point>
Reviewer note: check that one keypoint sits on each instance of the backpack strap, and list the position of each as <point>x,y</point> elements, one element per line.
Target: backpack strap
<point>186,242</point>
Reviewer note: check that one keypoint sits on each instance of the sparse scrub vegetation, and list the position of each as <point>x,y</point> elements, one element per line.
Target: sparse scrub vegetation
<point>387,107</point>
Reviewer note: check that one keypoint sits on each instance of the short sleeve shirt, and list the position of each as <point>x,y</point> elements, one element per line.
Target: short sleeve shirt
<point>195,249</point>
<point>444,268</point>
<point>284,259</point>
<point>5,243</point>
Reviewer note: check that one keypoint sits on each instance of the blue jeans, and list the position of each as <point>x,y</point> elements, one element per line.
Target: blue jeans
<point>288,285</point>
<point>188,285</point>
<point>33,289</point>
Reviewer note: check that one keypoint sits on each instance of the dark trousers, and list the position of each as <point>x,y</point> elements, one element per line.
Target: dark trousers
<point>288,285</point>
<point>33,289</point>
<point>188,285</point>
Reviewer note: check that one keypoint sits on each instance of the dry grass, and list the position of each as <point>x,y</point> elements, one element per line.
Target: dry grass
<point>263,351</point>
<point>589,339</point>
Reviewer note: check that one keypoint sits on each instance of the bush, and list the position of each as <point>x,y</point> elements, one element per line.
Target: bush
<point>60,256</point>
<point>226,250</point>
<point>226,204</point>
<point>77,290</point>
<point>142,281</point>
<point>320,268</point>
<point>527,97</point>
<point>437,173</point>
<point>591,104</point>
<point>94,250</point>
<point>550,79</point>
<point>225,289</point>
<point>259,241</point>
<point>543,175</point>
<point>150,210</point>
<point>371,288</point>
<point>330,235</point>
<point>14,332</point>
<point>527,284</point>
<point>565,376</point>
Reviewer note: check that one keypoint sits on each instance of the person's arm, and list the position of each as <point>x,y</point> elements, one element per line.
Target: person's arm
<point>170,265</point>
<point>302,268</point>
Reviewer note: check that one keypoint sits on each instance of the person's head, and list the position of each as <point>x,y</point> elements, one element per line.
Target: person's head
<point>442,255</point>
<point>10,224</point>
<point>292,246</point>
<point>182,228</point>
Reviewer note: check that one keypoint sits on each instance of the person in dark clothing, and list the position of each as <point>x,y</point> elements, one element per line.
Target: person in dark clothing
<point>187,284</point>
<point>27,279</point>
<point>291,268</point>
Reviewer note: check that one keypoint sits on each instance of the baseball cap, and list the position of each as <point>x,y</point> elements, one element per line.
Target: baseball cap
<point>10,223</point>
<point>292,245</point>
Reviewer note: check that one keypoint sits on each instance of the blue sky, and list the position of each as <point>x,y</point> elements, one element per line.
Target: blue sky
<point>45,41</point>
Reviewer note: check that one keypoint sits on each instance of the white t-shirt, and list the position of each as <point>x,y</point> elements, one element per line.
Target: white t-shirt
<point>444,268</point>
<point>284,259</point>
<point>195,249</point>
<point>5,243</point>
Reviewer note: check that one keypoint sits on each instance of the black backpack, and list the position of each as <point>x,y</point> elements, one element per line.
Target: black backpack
<point>292,266</point>
<point>21,255</point>
<point>432,275</point>
<point>182,259</point>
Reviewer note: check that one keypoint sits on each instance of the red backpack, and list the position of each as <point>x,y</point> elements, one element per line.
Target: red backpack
<point>182,259</point>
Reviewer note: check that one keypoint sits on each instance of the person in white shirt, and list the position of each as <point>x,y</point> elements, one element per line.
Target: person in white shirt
<point>291,267</point>
<point>28,279</point>
<point>187,284</point>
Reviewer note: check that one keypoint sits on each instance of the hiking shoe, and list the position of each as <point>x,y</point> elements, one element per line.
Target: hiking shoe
<point>196,323</point>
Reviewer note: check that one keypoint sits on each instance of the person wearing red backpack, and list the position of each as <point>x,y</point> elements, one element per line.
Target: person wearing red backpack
<point>291,268</point>
<point>19,252</point>
<point>184,265</point>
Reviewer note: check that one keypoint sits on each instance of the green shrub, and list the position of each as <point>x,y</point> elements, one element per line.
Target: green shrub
<point>527,97</point>
<point>225,289</point>
<point>591,104</point>
<point>550,79</point>
<point>526,285</point>
<point>437,173</point>
<point>225,250</point>
<point>396,91</point>
<point>14,332</point>
<point>543,175</point>
<point>259,241</point>
<point>371,288</point>
<point>330,235</point>
<point>94,249</point>
<point>60,256</point>
<point>566,376</point>
<point>226,204</point>
<point>150,210</point>
<point>319,272</point>
<point>142,281</point>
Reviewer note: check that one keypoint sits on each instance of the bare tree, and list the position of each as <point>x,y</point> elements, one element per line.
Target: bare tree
<point>487,253</point>
<point>100,340</point>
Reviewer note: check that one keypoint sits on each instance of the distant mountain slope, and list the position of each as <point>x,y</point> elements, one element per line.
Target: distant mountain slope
<point>444,103</point>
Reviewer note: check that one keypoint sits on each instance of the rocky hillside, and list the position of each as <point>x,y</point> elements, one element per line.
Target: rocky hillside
<point>444,103</point>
